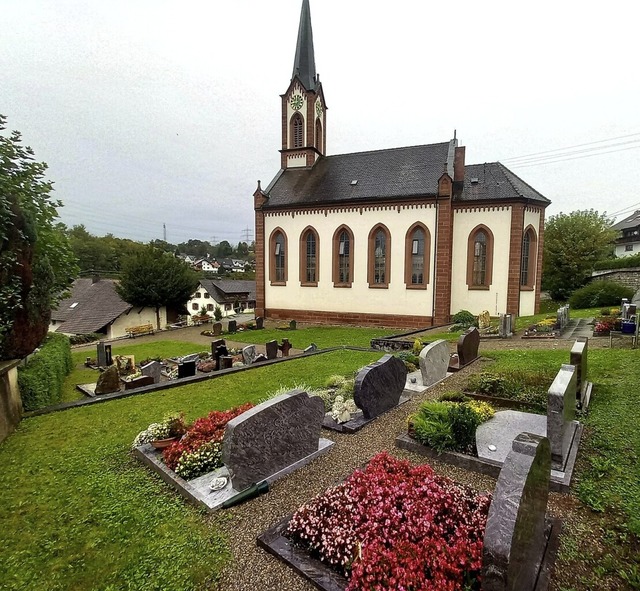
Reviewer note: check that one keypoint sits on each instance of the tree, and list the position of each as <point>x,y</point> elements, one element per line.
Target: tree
<point>36,262</point>
<point>573,243</point>
<point>155,278</point>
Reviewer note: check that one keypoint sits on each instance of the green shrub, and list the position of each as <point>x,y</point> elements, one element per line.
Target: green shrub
<point>464,422</point>
<point>432,426</point>
<point>41,379</point>
<point>464,318</point>
<point>599,293</point>
<point>454,396</point>
<point>410,359</point>
<point>81,339</point>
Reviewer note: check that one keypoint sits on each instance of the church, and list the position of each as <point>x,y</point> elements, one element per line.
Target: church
<point>403,237</point>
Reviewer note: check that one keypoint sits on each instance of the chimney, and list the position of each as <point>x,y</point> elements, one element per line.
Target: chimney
<point>458,165</point>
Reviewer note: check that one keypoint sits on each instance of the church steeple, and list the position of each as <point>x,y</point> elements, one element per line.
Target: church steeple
<point>304,65</point>
<point>304,111</point>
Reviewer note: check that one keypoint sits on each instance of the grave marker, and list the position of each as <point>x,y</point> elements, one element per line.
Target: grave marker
<point>293,325</point>
<point>221,351</point>
<point>138,382</point>
<point>215,344</point>
<point>514,540</point>
<point>378,386</point>
<point>434,361</point>
<point>285,347</point>
<point>152,369</point>
<point>505,329</point>
<point>104,358</point>
<point>259,322</point>
<point>467,348</point>
<point>249,354</point>
<point>108,381</point>
<point>578,357</point>
<point>561,411</point>
<point>186,369</point>
<point>272,349</point>
<point>217,329</point>
<point>271,437</point>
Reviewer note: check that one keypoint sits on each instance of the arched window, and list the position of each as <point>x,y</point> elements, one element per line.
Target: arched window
<point>342,257</point>
<point>278,257</point>
<point>528,260</point>
<point>309,250</point>
<point>416,258</point>
<point>297,131</point>
<point>379,256</point>
<point>318,135</point>
<point>480,258</point>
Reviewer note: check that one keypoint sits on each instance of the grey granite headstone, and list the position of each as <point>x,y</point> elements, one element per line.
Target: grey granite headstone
<point>103,354</point>
<point>514,539</point>
<point>272,436</point>
<point>578,357</point>
<point>272,349</point>
<point>467,346</point>
<point>379,386</point>
<point>186,369</point>
<point>108,381</point>
<point>561,412</point>
<point>259,322</point>
<point>152,369</point>
<point>505,327</point>
<point>217,329</point>
<point>249,354</point>
<point>434,361</point>
<point>232,327</point>
<point>311,348</point>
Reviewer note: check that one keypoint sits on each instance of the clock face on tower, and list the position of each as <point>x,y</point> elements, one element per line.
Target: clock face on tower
<point>296,102</point>
<point>319,108</point>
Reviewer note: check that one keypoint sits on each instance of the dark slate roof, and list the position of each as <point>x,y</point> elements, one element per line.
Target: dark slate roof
<point>494,181</point>
<point>304,65</point>
<point>225,291</point>
<point>633,221</point>
<point>381,174</point>
<point>97,305</point>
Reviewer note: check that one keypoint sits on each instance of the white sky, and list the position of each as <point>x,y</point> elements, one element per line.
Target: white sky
<point>152,112</point>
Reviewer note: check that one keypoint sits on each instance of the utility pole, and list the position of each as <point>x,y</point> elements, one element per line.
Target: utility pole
<point>246,234</point>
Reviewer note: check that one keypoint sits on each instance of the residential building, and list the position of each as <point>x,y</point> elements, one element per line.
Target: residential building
<point>628,240</point>
<point>233,297</point>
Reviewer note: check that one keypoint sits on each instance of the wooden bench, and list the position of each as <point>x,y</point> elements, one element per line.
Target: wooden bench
<point>134,331</point>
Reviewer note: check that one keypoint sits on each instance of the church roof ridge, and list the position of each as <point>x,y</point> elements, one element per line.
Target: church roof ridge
<point>381,150</point>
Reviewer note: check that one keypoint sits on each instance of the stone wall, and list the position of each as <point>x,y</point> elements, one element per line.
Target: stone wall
<point>628,277</point>
<point>10,401</point>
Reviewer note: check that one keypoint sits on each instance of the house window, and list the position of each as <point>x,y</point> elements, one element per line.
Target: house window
<point>379,259</point>
<point>278,258</point>
<point>194,307</point>
<point>228,307</point>
<point>197,294</point>
<point>416,258</point>
<point>297,131</point>
<point>210,307</point>
<point>343,257</point>
<point>309,248</point>
<point>318,135</point>
<point>206,295</point>
<point>628,247</point>
<point>528,259</point>
<point>480,258</point>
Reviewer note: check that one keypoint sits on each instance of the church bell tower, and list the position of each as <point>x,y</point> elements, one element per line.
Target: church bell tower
<point>304,111</point>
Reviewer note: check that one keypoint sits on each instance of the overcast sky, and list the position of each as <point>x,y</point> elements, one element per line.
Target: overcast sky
<point>152,112</point>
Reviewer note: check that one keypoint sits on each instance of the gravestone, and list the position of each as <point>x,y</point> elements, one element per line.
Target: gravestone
<point>514,539</point>
<point>249,354</point>
<point>259,322</point>
<point>103,354</point>
<point>221,351</point>
<point>271,437</point>
<point>505,326</point>
<point>285,347</point>
<point>272,349</point>
<point>260,357</point>
<point>484,320</point>
<point>215,344</point>
<point>217,329</point>
<point>186,369</point>
<point>225,362</point>
<point>434,361</point>
<point>561,411</point>
<point>293,325</point>
<point>562,317</point>
<point>152,369</point>
<point>108,381</point>
<point>190,357</point>
<point>578,357</point>
<point>138,382</point>
<point>378,386</point>
<point>126,364</point>
<point>232,326</point>
<point>311,348</point>
<point>467,348</point>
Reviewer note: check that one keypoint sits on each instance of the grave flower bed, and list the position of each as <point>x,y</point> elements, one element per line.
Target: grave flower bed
<point>545,328</point>
<point>394,526</point>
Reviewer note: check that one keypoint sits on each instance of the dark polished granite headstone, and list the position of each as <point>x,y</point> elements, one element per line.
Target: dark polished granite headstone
<point>225,362</point>
<point>215,344</point>
<point>186,369</point>
<point>293,325</point>
<point>515,540</point>
<point>285,347</point>
<point>272,349</point>
<point>468,344</point>
<point>259,322</point>
<point>104,358</point>
<point>561,412</point>
<point>434,361</point>
<point>272,436</point>
<point>233,326</point>
<point>379,386</point>
<point>221,351</point>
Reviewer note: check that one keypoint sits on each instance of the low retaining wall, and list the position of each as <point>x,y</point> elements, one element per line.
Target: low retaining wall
<point>628,277</point>
<point>10,401</point>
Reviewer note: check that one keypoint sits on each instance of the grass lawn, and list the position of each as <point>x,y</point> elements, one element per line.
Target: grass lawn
<point>524,322</point>
<point>78,512</point>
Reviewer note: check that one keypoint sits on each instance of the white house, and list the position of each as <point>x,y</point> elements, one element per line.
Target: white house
<point>231,296</point>
<point>628,240</point>
<point>399,237</point>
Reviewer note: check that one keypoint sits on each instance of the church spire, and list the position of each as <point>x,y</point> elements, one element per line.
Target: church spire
<point>304,66</point>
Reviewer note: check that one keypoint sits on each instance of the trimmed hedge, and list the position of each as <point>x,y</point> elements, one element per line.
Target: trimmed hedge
<point>620,263</point>
<point>41,379</point>
<point>600,293</point>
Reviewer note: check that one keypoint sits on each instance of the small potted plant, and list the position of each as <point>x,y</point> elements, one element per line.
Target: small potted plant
<point>163,434</point>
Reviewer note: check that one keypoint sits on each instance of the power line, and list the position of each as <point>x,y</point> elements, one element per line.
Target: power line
<point>516,165</point>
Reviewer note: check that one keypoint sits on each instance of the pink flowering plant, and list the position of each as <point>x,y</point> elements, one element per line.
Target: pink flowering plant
<point>394,526</point>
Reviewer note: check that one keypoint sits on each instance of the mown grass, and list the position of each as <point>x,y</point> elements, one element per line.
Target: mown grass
<point>524,322</point>
<point>78,512</point>
<point>600,546</point>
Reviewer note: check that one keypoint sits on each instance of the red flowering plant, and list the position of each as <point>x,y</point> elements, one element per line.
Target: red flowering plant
<point>199,451</point>
<point>394,526</point>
